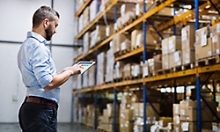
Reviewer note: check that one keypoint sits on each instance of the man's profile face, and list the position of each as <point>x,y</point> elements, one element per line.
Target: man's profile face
<point>51,29</point>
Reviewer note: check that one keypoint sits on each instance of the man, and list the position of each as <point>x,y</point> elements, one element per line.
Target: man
<point>38,113</point>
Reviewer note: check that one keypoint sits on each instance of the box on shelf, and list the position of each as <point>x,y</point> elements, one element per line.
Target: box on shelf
<point>125,45</point>
<point>125,8</point>
<point>203,49</point>
<point>192,126</point>
<point>80,22</point>
<point>174,44</point>
<point>175,59</point>
<point>118,70</point>
<point>188,56</point>
<point>155,63</point>
<point>136,70</point>
<point>94,8</point>
<point>101,67</point>
<point>216,44</point>
<point>127,71</point>
<point>188,37</point>
<point>118,39</point>
<point>164,43</point>
<point>137,39</point>
<point>91,77</point>
<point>109,30</point>
<point>86,15</point>
<point>145,69</point>
<point>188,110</point>
<point>166,12</point>
<point>149,110</point>
<point>109,64</point>
<point>86,42</point>
<point>85,80</point>
<point>165,61</point>
<point>215,30</point>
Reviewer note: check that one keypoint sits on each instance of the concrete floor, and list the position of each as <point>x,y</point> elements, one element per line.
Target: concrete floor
<point>62,127</point>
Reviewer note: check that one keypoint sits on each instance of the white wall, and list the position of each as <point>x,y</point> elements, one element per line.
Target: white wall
<point>16,20</point>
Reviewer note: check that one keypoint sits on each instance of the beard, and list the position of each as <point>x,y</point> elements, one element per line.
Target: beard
<point>49,33</point>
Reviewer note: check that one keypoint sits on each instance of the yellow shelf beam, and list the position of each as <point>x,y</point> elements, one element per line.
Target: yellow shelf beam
<point>185,17</point>
<point>136,22</point>
<point>80,10</point>
<point>168,76</point>
<point>129,54</point>
<point>91,24</point>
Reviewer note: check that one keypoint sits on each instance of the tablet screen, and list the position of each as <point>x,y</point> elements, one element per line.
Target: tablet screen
<point>86,65</point>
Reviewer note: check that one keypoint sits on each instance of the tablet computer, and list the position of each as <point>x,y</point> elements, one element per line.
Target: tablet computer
<point>86,65</point>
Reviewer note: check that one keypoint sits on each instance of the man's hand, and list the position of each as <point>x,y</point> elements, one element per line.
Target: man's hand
<point>75,69</point>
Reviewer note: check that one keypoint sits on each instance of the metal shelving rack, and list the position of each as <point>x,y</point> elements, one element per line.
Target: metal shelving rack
<point>195,75</point>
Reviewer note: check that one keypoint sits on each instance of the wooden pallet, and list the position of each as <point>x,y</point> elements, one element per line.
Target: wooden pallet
<point>187,66</point>
<point>208,61</point>
<point>118,79</point>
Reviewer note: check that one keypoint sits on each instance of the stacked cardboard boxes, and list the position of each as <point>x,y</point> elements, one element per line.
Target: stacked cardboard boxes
<point>101,68</point>
<point>155,64</point>
<point>85,81</point>
<point>86,16</point>
<point>188,40</point>
<point>109,64</point>
<point>171,50</point>
<point>86,42</point>
<point>107,120</point>
<point>118,40</point>
<point>118,70</point>
<point>91,76</point>
<point>203,45</point>
<point>137,39</point>
<point>215,36</point>
<point>126,114</point>
<point>97,35</point>
<point>185,115</point>
<point>93,8</point>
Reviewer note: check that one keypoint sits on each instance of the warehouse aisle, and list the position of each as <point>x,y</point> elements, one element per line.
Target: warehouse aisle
<point>63,127</point>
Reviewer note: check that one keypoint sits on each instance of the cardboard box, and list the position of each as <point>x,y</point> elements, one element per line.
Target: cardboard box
<point>175,59</point>
<point>176,109</point>
<point>174,44</point>
<point>188,56</point>
<point>176,128</point>
<point>188,37</point>
<point>155,63</point>
<point>126,126</point>
<point>202,35</point>
<point>145,69</point>
<point>203,50</point>
<point>165,48</point>
<point>126,114</point>
<point>216,44</point>
<point>127,71</point>
<point>188,111</point>
<point>192,126</point>
<point>134,35</point>
<point>149,110</point>
<point>165,61</point>
<point>215,30</point>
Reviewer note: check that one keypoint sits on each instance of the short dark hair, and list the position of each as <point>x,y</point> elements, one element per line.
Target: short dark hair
<point>42,13</point>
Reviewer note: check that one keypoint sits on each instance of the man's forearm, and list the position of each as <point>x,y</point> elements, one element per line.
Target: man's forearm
<point>59,79</point>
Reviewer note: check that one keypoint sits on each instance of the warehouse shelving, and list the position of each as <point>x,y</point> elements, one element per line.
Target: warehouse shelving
<point>97,19</point>
<point>194,75</point>
<point>133,24</point>
<point>80,10</point>
<point>178,75</point>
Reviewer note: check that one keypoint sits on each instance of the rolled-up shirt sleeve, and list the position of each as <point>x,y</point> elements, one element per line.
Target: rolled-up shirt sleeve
<point>41,66</point>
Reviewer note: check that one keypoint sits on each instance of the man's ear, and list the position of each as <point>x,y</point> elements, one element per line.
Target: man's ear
<point>46,23</point>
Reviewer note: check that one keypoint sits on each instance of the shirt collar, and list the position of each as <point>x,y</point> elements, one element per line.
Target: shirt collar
<point>37,36</point>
